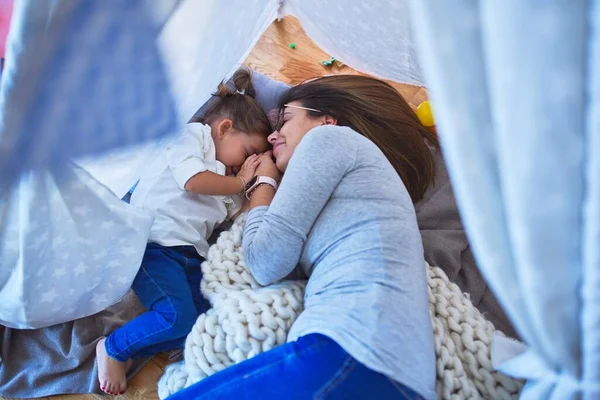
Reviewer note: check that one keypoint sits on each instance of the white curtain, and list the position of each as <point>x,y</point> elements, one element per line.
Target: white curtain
<point>72,68</point>
<point>515,87</point>
<point>206,40</point>
<point>68,248</point>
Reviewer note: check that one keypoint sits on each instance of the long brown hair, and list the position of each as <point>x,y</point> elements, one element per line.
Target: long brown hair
<point>238,104</point>
<point>376,110</point>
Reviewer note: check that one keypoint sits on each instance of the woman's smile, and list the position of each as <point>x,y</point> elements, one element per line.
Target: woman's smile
<point>277,147</point>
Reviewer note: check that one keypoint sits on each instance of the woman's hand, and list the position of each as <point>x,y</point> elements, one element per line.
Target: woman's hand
<point>248,169</point>
<point>263,194</point>
<point>267,167</point>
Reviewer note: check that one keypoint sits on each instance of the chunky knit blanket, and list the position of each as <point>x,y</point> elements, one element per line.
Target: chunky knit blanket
<point>247,319</point>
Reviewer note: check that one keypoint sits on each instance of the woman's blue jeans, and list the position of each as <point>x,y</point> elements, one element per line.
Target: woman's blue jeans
<point>313,367</point>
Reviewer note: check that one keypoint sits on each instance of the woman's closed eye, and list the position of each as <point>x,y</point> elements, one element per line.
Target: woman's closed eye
<point>280,122</point>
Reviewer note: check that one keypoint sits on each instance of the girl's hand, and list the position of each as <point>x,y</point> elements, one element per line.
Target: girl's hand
<point>267,167</point>
<point>248,169</point>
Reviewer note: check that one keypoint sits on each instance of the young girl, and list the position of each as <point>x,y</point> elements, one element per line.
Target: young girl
<point>190,189</point>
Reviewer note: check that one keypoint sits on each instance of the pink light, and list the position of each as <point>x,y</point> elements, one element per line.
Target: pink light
<point>6,7</point>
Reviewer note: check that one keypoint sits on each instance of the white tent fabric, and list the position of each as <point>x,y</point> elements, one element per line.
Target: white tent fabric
<point>119,170</point>
<point>71,69</point>
<point>374,37</point>
<point>68,248</point>
<point>516,90</point>
<point>206,40</point>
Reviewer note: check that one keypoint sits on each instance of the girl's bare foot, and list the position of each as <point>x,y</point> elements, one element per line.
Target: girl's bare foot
<point>111,373</point>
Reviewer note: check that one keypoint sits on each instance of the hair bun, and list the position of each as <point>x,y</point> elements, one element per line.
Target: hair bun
<point>242,79</point>
<point>242,85</point>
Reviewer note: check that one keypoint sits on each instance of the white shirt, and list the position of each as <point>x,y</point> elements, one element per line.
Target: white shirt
<point>183,218</point>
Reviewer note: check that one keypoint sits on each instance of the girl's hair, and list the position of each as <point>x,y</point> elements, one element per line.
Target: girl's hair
<point>238,104</point>
<point>376,110</point>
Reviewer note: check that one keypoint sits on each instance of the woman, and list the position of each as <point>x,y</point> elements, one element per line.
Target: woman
<point>343,214</point>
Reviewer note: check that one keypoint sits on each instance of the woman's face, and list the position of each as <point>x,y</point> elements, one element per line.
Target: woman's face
<point>295,123</point>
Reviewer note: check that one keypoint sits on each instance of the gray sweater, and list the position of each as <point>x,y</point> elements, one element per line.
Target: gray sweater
<point>344,216</point>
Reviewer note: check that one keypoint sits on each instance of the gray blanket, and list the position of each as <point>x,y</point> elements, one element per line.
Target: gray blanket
<point>60,359</point>
<point>446,245</point>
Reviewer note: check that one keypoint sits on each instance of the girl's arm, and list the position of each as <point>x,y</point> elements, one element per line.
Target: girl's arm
<point>212,184</point>
<point>185,159</point>
<point>209,183</point>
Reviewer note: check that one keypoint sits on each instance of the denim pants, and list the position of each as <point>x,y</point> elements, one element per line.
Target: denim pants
<point>168,284</point>
<point>313,367</point>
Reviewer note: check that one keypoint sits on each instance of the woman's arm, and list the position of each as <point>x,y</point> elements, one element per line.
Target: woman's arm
<point>277,226</point>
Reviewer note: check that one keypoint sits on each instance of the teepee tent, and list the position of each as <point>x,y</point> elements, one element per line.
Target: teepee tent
<point>516,91</point>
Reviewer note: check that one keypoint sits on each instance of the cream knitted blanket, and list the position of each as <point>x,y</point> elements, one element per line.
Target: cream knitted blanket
<point>247,319</point>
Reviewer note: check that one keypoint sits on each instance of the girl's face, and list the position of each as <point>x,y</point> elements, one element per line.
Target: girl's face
<point>294,123</point>
<point>233,147</point>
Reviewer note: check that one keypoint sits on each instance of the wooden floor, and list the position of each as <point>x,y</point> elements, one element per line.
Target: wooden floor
<point>271,56</point>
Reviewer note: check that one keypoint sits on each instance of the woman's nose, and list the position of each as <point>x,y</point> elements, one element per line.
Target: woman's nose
<point>273,137</point>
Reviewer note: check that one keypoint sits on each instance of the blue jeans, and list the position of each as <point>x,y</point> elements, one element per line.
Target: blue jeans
<point>313,367</point>
<point>168,284</point>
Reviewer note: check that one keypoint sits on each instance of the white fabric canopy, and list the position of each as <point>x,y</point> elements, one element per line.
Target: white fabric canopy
<point>516,92</point>
<point>69,248</point>
<point>204,41</point>
<point>374,37</point>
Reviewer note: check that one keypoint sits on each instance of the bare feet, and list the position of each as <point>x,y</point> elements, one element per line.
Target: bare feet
<point>111,373</point>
